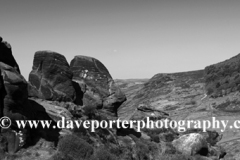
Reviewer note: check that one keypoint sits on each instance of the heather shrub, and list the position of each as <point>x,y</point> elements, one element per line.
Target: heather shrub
<point>223,76</point>
<point>125,153</point>
<point>60,156</point>
<point>89,110</point>
<point>168,148</point>
<point>198,157</point>
<point>146,149</point>
<point>192,102</point>
<point>75,147</point>
<point>175,157</point>
<point>154,133</point>
<point>103,154</point>
<point>155,138</point>
<point>142,151</point>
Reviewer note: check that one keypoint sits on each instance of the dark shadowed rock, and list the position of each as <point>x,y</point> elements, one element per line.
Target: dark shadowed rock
<point>3,146</point>
<point>100,88</point>
<point>48,112</point>
<point>16,93</point>
<point>55,112</point>
<point>6,55</point>
<point>14,97</point>
<point>51,78</point>
<point>212,137</point>
<point>217,151</point>
<point>15,140</point>
<point>2,93</point>
<point>86,95</point>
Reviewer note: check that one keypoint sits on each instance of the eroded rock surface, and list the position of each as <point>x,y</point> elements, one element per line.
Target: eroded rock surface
<point>6,55</point>
<point>55,112</point>
<point>16,93</point>
<point>51,78</point>
<point>14,97</point>
<point>2,93</point>
<point>191,144</point>
<point>100,89</point>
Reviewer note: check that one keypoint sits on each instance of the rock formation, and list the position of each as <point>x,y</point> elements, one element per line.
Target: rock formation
<point>14,106</point>
<point>2,94</point>
<point>51,78</point>
<point>16,96</point>
<point>13,99</point>
<point>6,55</point>
<point>85,90</point>
<point>100,89</point>
<point>191,144</point>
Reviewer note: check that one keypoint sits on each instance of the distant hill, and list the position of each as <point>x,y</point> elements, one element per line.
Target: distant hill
<point>224,77</point>
<point>165,92</point>
<point>199,95</point>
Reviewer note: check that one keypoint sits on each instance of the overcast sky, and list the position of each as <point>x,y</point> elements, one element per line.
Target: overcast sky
<point>132,38</point>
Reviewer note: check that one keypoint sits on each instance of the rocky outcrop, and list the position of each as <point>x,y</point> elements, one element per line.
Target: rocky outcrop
<point>99,88</point>
<point>13,100</point>
<point>87,85</point>
<point>191,144</point>
<point>51,78</point>
<point>15,139</point>
<point>2,93</point>
<point>223,78</point>
<point>14,97</point>
<point>6,55</point>
<point>217,151</point>
<point>55,112</point>
<point>16,93</point>
<point>144,111</point>
<point>212,137</point>
<point>202,143</point>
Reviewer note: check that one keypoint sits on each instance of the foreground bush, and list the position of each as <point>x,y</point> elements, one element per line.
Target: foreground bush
<point>175,157</point>
<point>103,154</point>
<point>146,150</point>
<point>74,147</point>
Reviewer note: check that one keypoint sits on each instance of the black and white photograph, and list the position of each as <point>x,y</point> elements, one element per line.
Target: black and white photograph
<point>120,80</point>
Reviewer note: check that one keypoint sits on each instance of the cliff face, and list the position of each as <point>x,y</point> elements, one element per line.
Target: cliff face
<point>224,77</point>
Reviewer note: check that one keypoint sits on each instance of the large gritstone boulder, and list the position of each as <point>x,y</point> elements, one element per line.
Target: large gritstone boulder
<point>191,144</point>
<point>15,87</point>
<point>51,78</point>
<point>6,55</point>
<point>2,93</point>
<point>98,87</point>
<point>14,104</point>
